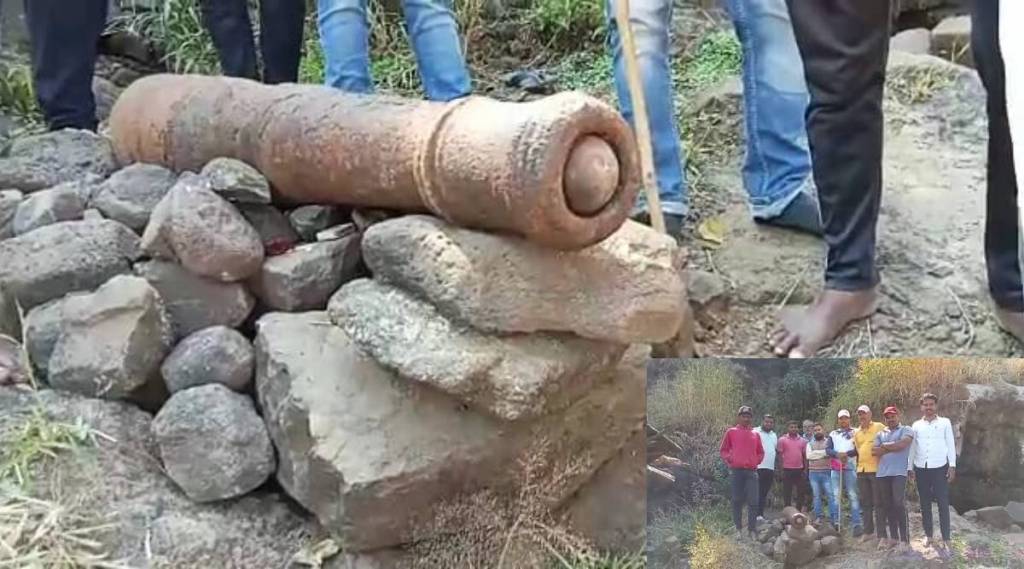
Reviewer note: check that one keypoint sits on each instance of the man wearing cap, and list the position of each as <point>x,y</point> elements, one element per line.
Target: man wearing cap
<point>794,464</point>
<point>844,471</point>
<point>742,452</point>
<point>867,467</point>
<point>766,470</point>
<point>933,459</point>
<point>819,467</point>
<point>892,445</point>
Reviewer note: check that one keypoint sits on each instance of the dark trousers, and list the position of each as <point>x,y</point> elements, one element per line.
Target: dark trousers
<point>893,500</point>
<point>64,36</point>
<point>844,45</point>
<point>744,492</point>
<point>868,489</point>
<point>765,477</point>
<point>794,479</point>
<point>932,485</point>
<point>1002,231</point>
<point>281,23</point>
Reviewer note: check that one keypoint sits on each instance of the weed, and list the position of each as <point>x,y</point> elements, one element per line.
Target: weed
<point>38,439</point>
<point>914,85</point>
<point>717,56</point>
<point>43,533</point>
<point>566,24</point>
<point>17,95</point>
<point>178,33</point>
<point>586,72</point>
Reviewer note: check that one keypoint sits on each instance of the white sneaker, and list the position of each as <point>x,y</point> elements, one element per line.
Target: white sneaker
<point>760,519</point>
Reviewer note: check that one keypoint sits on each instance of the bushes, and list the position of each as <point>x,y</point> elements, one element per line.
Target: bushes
<point>701,399</point>
<point>566,24</point>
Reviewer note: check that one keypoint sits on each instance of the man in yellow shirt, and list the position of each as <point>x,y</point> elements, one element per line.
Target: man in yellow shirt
<point>867,467</point>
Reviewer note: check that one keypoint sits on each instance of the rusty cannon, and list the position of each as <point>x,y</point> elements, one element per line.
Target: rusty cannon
<point>562,171</point>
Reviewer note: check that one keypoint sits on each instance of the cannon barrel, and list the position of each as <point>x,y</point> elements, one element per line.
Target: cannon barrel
<point>562,171</point>
<point>794,517</point>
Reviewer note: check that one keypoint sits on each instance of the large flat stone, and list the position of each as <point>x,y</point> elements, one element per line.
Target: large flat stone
<point>64,257</point>
<point>373,455</point>
<point>45,160</point>
<point>511,377</point>
<point>625,289</point>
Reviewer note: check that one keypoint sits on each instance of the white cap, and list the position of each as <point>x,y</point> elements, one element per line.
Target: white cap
<point>864,408</point>
<point>844,413</point>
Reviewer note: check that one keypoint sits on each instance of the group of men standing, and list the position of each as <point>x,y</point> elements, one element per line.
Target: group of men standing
<point>870,464</point>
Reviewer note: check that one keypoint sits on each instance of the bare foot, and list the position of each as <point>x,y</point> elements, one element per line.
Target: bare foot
<point>1012,322</point>
<point>809,329</point>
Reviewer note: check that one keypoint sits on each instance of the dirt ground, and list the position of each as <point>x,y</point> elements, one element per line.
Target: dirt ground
<point>930,240</point>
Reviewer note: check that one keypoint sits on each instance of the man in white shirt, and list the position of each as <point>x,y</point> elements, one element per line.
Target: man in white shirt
<point>766,470</point>
<point>933,463</point>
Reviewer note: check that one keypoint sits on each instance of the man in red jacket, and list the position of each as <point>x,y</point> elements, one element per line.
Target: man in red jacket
<point>742,451</point>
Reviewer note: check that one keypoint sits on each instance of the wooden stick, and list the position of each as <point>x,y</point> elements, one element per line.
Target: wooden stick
<point>643,129</point>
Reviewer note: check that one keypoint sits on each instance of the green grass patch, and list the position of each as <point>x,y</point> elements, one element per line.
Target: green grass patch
<point>566,25</point>
<point>592,73</point>
<point>178,33</point>
<point>40,439</point>
<point>17,95</point>
<point>717,56</point>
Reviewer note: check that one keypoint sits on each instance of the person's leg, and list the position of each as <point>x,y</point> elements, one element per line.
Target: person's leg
<point>883,505</point>
<point>777,167</point>
<point>434,34</point>
<point>345,38</point>
<point>899,510</point>
<point>738,489</point>
<point>940,493</point>
<point>850,481</point>
<point>867,500</point>
<point>231,30</point>
<point>752,500</point>
<point>281,27</point>
<point>64,37</point>
<point>651,21</point>
<point>790,478</point>
<point>817,491</point>
<point>835,497</point>
<point>924,493</point>
<point>1003,248</point>
<point>844,46</point>
<point>765,477</point>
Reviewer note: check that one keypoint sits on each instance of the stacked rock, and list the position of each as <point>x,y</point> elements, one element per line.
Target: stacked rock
<point>793,541</point>
<point>463,353</point>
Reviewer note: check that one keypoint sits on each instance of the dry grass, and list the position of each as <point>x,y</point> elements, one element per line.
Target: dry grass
<point>901,381</point>
<point>711,550</point>
<point>43,533</point>
<point>701,399</point>
<point>505,531</point>
<point>914,85</point>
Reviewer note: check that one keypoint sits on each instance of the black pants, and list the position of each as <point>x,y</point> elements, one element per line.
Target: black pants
<point>793,479</point>
<point>932,485</point>
<point>64,36</point>
<point>281,23</point>
<point>744,492</point>
<point>844,45</point>
<point>765,477</point>
<point>1002,231</point>
<point>893,500</point>
<point>868,490</point>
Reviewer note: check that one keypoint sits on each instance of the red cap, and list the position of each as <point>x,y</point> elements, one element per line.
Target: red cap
<point>891,409</point>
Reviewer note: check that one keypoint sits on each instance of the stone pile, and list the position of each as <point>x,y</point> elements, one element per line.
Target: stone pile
<point>793,541</point>
<point>266,348</point>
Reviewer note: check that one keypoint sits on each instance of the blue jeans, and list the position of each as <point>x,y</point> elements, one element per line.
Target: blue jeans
<point>821,486</point>
<point>777,167</point>
<point>433,32</point>
<point>850,486</point>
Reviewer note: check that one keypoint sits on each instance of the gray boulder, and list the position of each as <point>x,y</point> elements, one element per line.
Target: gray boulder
<point>1016,512</point>
<point>375,456</point>
<point>213,444</point>
<point>131,194</point>
<point>237,181</point>
<point>194,302</point>
<point>995,516</point>
<point>308,220</point>
<point>43,326</point>
<point>510,377</point>
<point>213,355</point>
<point>9,201</point>
<point>45,160</point>
<point>60,203</point>
<point>625,289</point>
<point>65,257</point>
<point>203,232</point>
<point>276,233</point>
<point>830,545</point>
<point>306,277</point>
<point>110,342</point>
<point>916,40</point>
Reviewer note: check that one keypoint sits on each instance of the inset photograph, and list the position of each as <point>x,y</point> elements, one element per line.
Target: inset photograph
<point>835,463</point>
